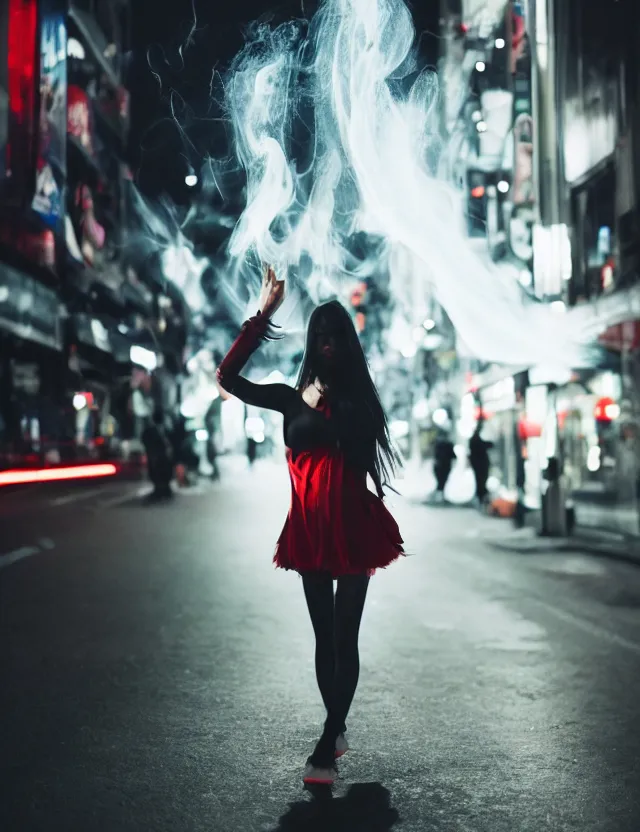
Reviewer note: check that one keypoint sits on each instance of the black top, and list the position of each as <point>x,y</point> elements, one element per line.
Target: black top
<point>345,425</point>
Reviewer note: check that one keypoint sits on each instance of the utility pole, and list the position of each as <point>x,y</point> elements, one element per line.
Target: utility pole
<point>549,234</point>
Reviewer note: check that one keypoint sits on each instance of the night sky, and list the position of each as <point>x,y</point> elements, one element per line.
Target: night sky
<point>156,149</point>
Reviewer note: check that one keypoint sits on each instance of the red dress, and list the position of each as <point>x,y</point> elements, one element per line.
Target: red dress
<point>334,523</point>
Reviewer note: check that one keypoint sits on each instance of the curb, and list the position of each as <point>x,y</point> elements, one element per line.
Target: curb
<point>576,544</point>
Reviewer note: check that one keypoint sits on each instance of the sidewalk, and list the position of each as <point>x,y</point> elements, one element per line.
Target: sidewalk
<point>418,484</point>
<point>504,536</point>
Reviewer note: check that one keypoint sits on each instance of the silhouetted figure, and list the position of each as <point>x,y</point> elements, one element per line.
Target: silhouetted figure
<point>479,461</point>
<point>443,458</point>
<point>252,449</point>
<point>210,423</point>
<point>159,457</point>
<point>186,460</point>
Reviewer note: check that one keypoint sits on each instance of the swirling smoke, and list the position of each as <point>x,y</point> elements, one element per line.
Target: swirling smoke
<point>338,132</point>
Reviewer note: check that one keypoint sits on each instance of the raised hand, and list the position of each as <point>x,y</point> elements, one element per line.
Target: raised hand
<point>271,293</point>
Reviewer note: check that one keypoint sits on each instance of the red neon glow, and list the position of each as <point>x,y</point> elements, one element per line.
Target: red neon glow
<point>528,429</point>
<point>482,415</point>
<point>21,75</point>
<point>606,410</point>
<point>478,191</point>
<point>78,472</point>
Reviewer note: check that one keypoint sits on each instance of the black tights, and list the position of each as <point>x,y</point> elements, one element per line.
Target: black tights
<point>336,626</point>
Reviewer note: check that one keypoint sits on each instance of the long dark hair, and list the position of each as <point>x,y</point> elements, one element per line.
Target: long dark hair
<point>362,426</point>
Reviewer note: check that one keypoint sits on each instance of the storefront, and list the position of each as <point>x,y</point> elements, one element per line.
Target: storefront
<point>31,369</point>
<point>519,420</point>
<point>599,432</point>
<point>534,448</point>
<point>498,402</point>
<point>493,400</point>
<point>93,366</point>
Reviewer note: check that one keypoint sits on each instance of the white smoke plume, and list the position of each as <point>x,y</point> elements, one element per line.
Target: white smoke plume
<point>339,136</point>
<point>376,140</point>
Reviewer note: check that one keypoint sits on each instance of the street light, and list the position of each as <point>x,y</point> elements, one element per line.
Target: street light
<point>503,186</point>
<point>409,350</point>
<point>75,49</point>
<point>191,180</point>
<point>480,66</point>
<point>500,44</point>
<point>440,417</point>
<point>79,401</point>
<point>143,358</point>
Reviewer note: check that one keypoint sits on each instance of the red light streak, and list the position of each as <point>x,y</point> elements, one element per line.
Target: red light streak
<point>78,472</point>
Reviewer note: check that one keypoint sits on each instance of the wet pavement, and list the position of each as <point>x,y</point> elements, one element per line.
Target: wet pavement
<point>157,673</point>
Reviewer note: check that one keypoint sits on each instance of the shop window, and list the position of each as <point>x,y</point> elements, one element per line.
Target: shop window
<point>595,267</point>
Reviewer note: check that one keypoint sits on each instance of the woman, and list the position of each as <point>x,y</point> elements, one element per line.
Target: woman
<point>335,433</point>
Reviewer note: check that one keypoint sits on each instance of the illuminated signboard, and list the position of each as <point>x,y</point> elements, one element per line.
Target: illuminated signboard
<point>52,129</point>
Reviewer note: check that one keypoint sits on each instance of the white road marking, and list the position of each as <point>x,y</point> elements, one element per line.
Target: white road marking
<point>72,498</point>
<point>18,554</point>
<point>123,498</point>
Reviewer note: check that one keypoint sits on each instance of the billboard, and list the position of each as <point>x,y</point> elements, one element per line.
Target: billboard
<point>48,198</point>
<point>523,189</point>
<point>20,24</point>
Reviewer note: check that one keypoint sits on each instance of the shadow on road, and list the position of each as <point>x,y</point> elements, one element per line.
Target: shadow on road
<point>366,807</point>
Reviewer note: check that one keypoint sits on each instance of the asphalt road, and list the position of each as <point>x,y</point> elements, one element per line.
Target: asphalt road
<point>157,674</point>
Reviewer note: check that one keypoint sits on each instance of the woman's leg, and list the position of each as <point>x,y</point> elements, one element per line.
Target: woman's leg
<point>318,591</point>
<point>349,605</point>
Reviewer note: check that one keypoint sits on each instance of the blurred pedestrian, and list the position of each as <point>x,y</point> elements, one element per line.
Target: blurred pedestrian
<point>336,433</point>
<point>212,457</point>
<point>480,462</point>
<point>252,450</point>
<point>443,458</point>
<point>159,456</point>
<point>186,459</point>
<point>211,422</point>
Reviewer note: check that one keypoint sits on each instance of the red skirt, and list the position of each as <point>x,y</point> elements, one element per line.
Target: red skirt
<point>335,523</point>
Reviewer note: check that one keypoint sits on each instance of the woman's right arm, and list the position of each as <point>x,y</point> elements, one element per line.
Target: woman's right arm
<point>258,328</point>
<point>271,396</point>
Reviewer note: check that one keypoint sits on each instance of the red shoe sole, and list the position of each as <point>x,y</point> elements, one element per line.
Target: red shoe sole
<point>318,782</point>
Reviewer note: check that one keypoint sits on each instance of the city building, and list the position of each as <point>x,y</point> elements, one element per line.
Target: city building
<point>76,317</point>
<point>542,115</point>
